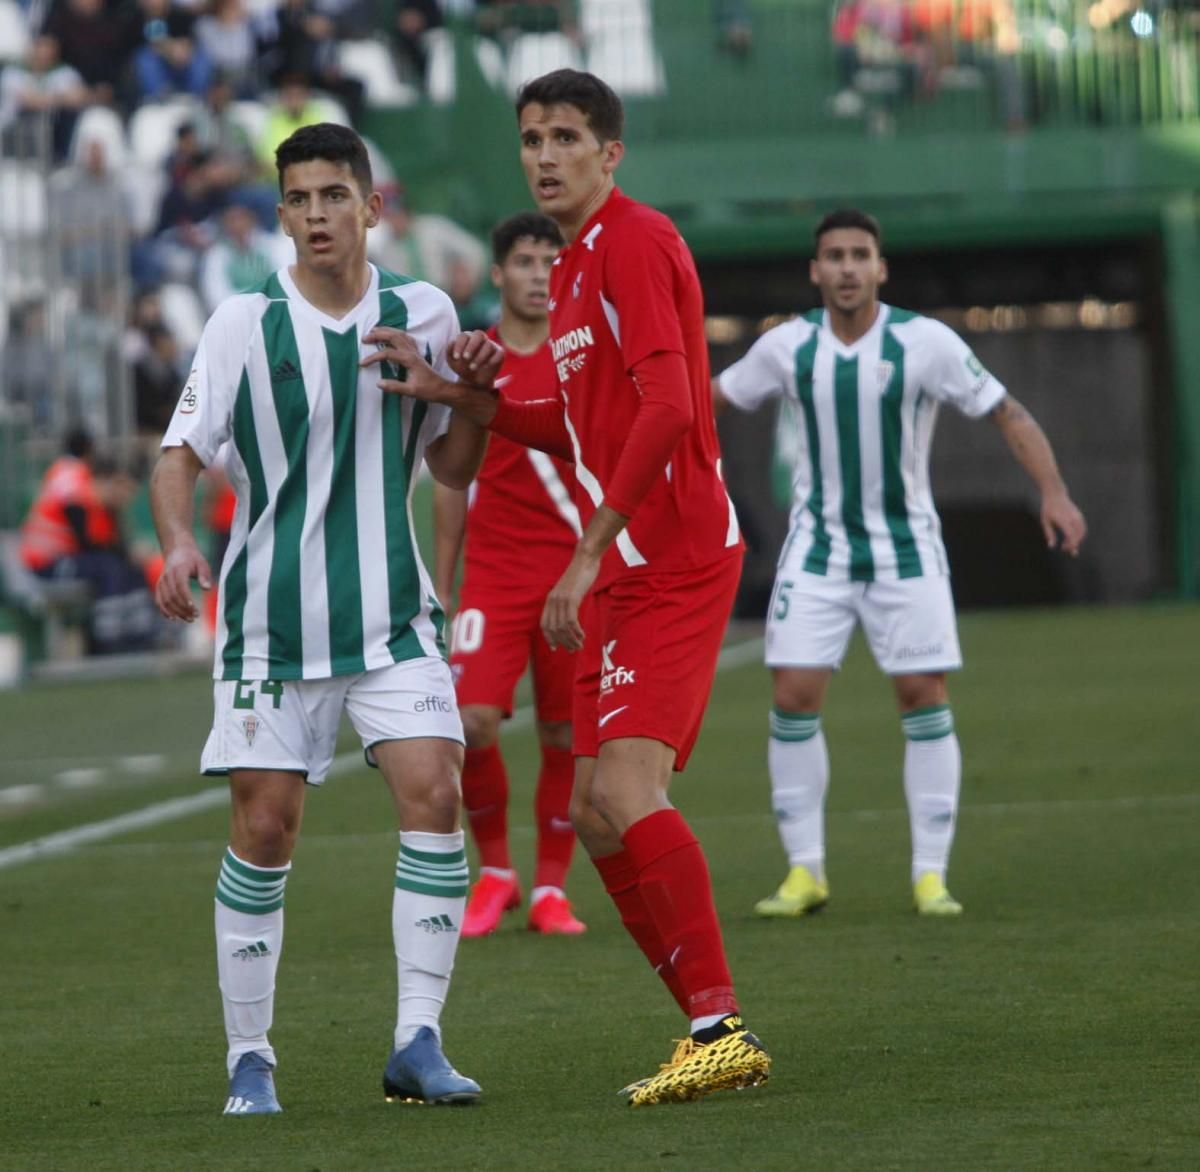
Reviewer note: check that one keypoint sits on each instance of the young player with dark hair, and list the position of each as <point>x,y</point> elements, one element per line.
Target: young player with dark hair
<point>864,382</point>
<point>324,603</point>
<point>660,553</point>
<point>520,526</point>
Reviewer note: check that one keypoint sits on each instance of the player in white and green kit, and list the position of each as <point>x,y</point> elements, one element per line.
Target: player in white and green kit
<point>324,604</point>
<point>863,382</point>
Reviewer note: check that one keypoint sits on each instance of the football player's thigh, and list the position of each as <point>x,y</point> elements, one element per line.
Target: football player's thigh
<point>810,620</point>
<point>910,625</point>
<point>275,724</point>
<point>491,648</point>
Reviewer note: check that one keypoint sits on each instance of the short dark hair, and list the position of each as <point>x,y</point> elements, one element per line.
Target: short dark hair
<point>330,142</point>
<point>592,97</point>
<point>848,218</point>
<point>533,225</point>
<point>78,442</point>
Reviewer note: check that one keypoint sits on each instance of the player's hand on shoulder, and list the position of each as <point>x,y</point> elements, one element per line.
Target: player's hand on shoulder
<point>173,593</point>
<point>475,358</point>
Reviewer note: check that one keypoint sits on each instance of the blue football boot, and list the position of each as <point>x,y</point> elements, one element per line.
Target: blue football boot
<point>252,1088</point>
<point>420,1074</point>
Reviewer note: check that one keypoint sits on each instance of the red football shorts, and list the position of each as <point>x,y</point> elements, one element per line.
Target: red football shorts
<point>496,635</point>
<point>647,664</point>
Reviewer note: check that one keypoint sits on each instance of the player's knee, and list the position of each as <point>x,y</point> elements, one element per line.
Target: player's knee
<point>920,691</point>
<point>595,834</point>
<point>555,734</point>
<point>264,837</point>
<point>481,727</point>
<point>799,691</point>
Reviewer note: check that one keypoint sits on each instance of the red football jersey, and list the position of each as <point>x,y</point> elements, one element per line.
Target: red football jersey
<point>523,522</point>
<point>625,288</point>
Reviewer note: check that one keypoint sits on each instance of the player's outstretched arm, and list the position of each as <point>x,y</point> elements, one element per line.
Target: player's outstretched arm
<point>1062,522</point>
<point>172,500</point>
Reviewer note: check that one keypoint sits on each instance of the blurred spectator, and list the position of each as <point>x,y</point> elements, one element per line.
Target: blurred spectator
<point>293,107</point>
<point>156,381</point>
<point>73,532</point>
<point>735,33</point>
<point>169,60</point>
<point>507,18</point>
<point>475,301</point>
<point>43,85</point>
<point>225,135</point>
<point>411,20</point>
<point>879,54</point>
<point>92,354</point>
<point>307,44</point>
<point>428,247</point>
<point>97,39</point>
<point>28,361</point>
<point>243,256</point>
<point>227,39</point>
<point>92,213</point>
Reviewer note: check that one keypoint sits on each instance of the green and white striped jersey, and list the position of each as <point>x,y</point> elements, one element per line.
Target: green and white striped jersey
<point>863,419</point>
<point>322,576</point>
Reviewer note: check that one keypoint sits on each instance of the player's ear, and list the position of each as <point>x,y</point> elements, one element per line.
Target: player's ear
<point>282,222</point>
<point>883,270</point>
<point>614,152</point>
<point>497,276</point>
<point>374,208</point>
<point>813,275</point>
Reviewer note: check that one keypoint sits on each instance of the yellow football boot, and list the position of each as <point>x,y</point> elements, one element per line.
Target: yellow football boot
<point>735,1060</point>
<point>798,895</point>
<point>931,898</point>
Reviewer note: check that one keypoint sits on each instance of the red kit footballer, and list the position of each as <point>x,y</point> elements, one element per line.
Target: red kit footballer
<point>660,554</point>
<point>520,525</point>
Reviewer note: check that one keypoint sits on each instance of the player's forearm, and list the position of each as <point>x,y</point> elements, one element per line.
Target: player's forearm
<point>1029,446</point>
<point>602,530</point>
<point>539,423</point>
<point>454,459</point>
<point>173,496</point>
<point>449,525</point>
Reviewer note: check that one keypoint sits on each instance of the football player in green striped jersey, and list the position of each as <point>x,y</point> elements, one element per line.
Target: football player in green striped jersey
<point>324,604</point>
<point>863,382</point>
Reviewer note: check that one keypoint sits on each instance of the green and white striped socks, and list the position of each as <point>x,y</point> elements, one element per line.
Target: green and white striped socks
<point>798,761</point>
<point>249,929</point>
<point>427,914</point>
<point>932,775</point>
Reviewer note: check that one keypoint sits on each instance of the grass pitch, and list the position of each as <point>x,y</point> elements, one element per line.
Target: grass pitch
<point>1053,1026</point>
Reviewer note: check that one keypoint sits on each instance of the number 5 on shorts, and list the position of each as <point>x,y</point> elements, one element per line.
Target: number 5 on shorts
<point>781,600</point>
<point>272,688</point>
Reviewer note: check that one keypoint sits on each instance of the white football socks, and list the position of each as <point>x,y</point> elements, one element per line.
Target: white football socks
<point>249,929</point>
<point>427,915</point>
<point>932,775</point>
<point>798,761</point>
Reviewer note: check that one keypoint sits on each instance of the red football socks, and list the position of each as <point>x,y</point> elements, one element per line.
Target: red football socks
<point>485,799</point>
<point>552,808</point>
<point>619,875</point>
<point>674,884</point>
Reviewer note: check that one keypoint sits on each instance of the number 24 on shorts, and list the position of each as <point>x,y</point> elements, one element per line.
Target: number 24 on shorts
<point>243,696</point>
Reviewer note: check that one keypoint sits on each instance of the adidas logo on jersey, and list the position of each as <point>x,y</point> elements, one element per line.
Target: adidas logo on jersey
<point>285,371</point>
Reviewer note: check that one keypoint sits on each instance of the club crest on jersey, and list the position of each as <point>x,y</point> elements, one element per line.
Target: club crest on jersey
<point>883,373</point>
<point>190,399</point>
<point>250,725</point>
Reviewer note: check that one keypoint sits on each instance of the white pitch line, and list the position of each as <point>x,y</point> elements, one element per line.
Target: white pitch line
<point>735,655</point>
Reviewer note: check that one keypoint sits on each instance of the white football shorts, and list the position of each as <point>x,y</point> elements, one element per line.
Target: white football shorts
<point>293,724</point>
<point>909,624</point>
